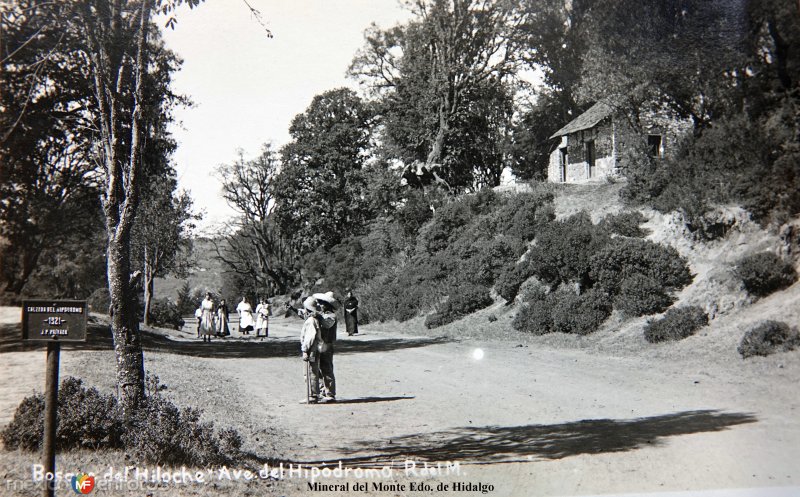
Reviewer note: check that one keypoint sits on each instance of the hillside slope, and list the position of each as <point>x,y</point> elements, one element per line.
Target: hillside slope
<point>715,288</point>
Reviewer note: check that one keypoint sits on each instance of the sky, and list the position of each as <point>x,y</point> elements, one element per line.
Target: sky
<point>247,87</point>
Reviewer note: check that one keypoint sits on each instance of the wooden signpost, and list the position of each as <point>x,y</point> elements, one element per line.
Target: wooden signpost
<point>54,322</point>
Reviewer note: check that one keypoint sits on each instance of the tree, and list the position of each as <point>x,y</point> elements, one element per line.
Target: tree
<point>256,249</point>
<point>49,184</point>
<point>437,75</point>
<point>678,54</point>
<point>162,235</point>
<point>116,48</point>
<point>554,40</point>
<point>320,193</point>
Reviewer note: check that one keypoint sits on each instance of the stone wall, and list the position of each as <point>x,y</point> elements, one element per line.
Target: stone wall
<point>611,138</point>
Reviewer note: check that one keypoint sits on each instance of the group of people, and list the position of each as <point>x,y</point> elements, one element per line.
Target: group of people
<point>214,319</point>
<point>317,338</point>
<point>259,322</point>
<point>317,335</point>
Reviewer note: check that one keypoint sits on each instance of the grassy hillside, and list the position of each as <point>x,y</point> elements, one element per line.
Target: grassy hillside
<point>715,286</point>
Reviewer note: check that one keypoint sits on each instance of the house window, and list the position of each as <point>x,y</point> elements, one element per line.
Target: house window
<point>654,144</point>
<point>563,164</point>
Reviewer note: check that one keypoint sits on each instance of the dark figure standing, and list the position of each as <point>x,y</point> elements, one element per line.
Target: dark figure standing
<point>351,314</point>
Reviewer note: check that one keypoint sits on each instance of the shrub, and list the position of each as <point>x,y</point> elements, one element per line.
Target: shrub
<point>157,433</point>
<point>26,428</point>
<point>641,295</point>
<point>563,250</point>
<point>625,224</point>
<point>767,338</point>
<point>579,314</point>
<point>511,279</point>
<point>523,215</point>
<point>625,257</point>
<point>563,311</point>
<point>484,261</point>
<point>534,317</point>
<point>445,226</point>
<point>764,273</point>
<point>86,419</point>
<point>676,324</point>
<point>165,313</point>
<point>464,299</point>
<point>99,301</point>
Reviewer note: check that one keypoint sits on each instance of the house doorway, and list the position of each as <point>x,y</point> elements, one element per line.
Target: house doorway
<point>590,159</point>
<point>563,165</point>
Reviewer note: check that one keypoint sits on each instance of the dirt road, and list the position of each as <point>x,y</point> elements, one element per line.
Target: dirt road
<point>524,420</point>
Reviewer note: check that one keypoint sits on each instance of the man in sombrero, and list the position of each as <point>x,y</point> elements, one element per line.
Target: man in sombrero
<point>318,349</point>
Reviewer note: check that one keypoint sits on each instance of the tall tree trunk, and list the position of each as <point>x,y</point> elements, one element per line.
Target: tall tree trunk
<point>148,287</point>
<point>109,68</point>
<point>125,325</point>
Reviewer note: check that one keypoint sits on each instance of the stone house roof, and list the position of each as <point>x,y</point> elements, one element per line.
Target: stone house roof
<point>587,120</point>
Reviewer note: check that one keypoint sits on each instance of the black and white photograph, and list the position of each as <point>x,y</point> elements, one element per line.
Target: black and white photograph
<point>399,248</point>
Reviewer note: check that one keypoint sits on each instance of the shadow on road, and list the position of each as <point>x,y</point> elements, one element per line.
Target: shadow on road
<point>504,444</point>
<point>366,400</point>
<point>99,338</point>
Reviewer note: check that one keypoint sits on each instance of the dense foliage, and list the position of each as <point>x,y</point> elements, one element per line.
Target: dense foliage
<point>764,273</point>
<point>156,433</point>
<point>768,337</point>
<point>676,324</point>
<point>464,299</point>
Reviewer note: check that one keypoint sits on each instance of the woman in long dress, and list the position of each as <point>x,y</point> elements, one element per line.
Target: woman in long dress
<point>222,319</point>
<point>245,311</point>
<point>262,318</point>
<point>207,320</point>
<point>351,314</point>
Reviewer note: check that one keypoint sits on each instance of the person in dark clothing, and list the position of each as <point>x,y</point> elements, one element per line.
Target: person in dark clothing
<point>351,314</point>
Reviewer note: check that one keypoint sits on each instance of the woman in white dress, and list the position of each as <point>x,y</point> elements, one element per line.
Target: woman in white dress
<point>207,319</point>
<point>262,318</point>
<point>245,311</point>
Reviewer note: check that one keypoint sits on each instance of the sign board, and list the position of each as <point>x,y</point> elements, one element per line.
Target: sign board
<point>54,320</point>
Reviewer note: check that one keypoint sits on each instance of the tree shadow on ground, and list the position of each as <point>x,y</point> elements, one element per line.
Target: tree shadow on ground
<point>99,338</point>
<point>504,444</point>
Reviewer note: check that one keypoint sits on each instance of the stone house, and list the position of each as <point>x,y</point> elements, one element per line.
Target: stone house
<point>590,146</point>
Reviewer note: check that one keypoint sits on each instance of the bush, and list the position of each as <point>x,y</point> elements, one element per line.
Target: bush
<point>563,311</point>
<point>579,314</point>
<point>625,257</point>
<point>523,215</point>
<point>563,250</point>
<point>767,338</point>
<point>86,419</point>
<point>165,314</point>
<point>625,224</point>
<point>511,279</point>
<point>484,261</point>
<point>26,428</point>
<point>676,324</point>
<point>765,273</point>
<point>464,299</point>
<point>534,317</point>
<point>641,295</point>
<point>158,433</point>
<point>99,301</point>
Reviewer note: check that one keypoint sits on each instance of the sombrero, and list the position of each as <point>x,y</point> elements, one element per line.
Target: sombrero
<point>326,297</point>
<point>310,304</point>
